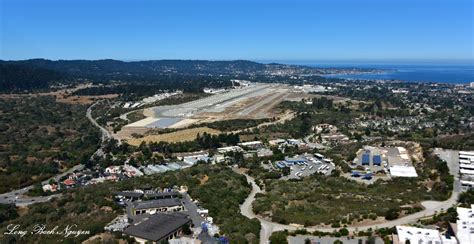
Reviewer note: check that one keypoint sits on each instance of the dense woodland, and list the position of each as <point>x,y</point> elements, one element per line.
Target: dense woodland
<point>40,137</point>
<point>187,75</point>
<point>23,77</point>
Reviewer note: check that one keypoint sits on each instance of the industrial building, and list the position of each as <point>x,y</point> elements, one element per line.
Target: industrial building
<point>139,195</point>
<point>463,230</point>
<point>251,144</point>
<point>400,163</point>
<point>394,160</point>
<point>229,149</point>
<point>371,156</point>
<point>155,206</point>
<point>158,227</point>
<point>466,168</point>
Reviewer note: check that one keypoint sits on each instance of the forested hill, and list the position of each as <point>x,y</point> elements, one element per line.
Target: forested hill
<point>14,77</point>
<point>109,67</point>
<point>40,73</point>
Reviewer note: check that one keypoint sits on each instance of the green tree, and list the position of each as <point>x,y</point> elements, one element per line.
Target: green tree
<point>286,171</point>
<point>392,214</point>
<point>279,237</point>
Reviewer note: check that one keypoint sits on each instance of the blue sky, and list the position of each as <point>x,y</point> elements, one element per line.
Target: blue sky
<point>228,29</point>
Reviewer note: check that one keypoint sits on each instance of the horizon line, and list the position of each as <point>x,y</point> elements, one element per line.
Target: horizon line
<point>266,61</point>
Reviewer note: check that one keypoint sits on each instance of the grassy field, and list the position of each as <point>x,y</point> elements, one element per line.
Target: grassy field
<point>177,136</point>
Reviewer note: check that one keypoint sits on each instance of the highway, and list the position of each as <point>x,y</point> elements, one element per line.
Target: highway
<point>431,207</point>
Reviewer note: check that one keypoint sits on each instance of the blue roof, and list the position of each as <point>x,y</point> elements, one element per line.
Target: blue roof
<point>355,174</point>
<point>365,159</point>
<point>367,176</point>
<point>377,160</point>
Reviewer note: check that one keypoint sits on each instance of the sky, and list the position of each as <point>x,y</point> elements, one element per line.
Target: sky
<point>303,30</point>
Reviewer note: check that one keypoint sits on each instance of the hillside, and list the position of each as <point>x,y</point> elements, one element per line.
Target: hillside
<point>172,74</point>
<point>41,73</point>
<point>18,77</point>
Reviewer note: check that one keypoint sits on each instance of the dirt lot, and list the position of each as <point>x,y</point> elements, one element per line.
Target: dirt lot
<point>177,136</point>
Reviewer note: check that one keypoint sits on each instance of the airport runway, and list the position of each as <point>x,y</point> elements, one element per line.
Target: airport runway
<point>263,95</point>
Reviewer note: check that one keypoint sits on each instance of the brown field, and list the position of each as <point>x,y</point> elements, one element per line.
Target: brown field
<point>83,99</point>
<point>64,95</point>
<point>177,136</point>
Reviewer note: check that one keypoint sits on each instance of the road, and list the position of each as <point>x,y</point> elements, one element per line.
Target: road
<point>191,209</point>
<point>431,207</point>
<point>105,133</point>
<point>20,199</point>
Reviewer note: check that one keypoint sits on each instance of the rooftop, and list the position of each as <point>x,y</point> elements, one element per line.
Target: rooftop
<point>465,225</point>
<point>417,235</point>
<point>158,226</point>
<point>167,202</point>
<point>403,171</point>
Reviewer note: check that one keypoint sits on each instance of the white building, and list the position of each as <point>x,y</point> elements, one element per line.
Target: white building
<point>251,144</point>
<point>276,142</point>
<point>218,158</point>
<point>51,188</point>
<point>229,149</point>
<point>466,168</point>
<point>264,152</point>
<point>403,171</point>
<point>464,230</point>
<point>192,160</point>
<point>213,90</point>
<point>132,171</point>
<point>114,169</point>
<point>420,235</point>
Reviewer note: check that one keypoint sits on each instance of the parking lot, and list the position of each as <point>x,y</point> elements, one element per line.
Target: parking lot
<point>308,167</point>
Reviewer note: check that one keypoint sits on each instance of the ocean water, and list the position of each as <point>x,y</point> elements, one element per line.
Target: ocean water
<point>441,73</point>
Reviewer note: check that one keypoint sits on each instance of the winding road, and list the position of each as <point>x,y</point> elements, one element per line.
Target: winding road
<point>18,196</point>
<point>105,133</point>
<point>431,207</point>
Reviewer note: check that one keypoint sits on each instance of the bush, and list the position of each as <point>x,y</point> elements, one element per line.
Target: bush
<point>392,214</point>
<point>279,237</point>
<point>344,231</point>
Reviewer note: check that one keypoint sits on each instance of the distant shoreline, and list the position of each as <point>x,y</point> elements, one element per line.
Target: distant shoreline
<point>447,74</point>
